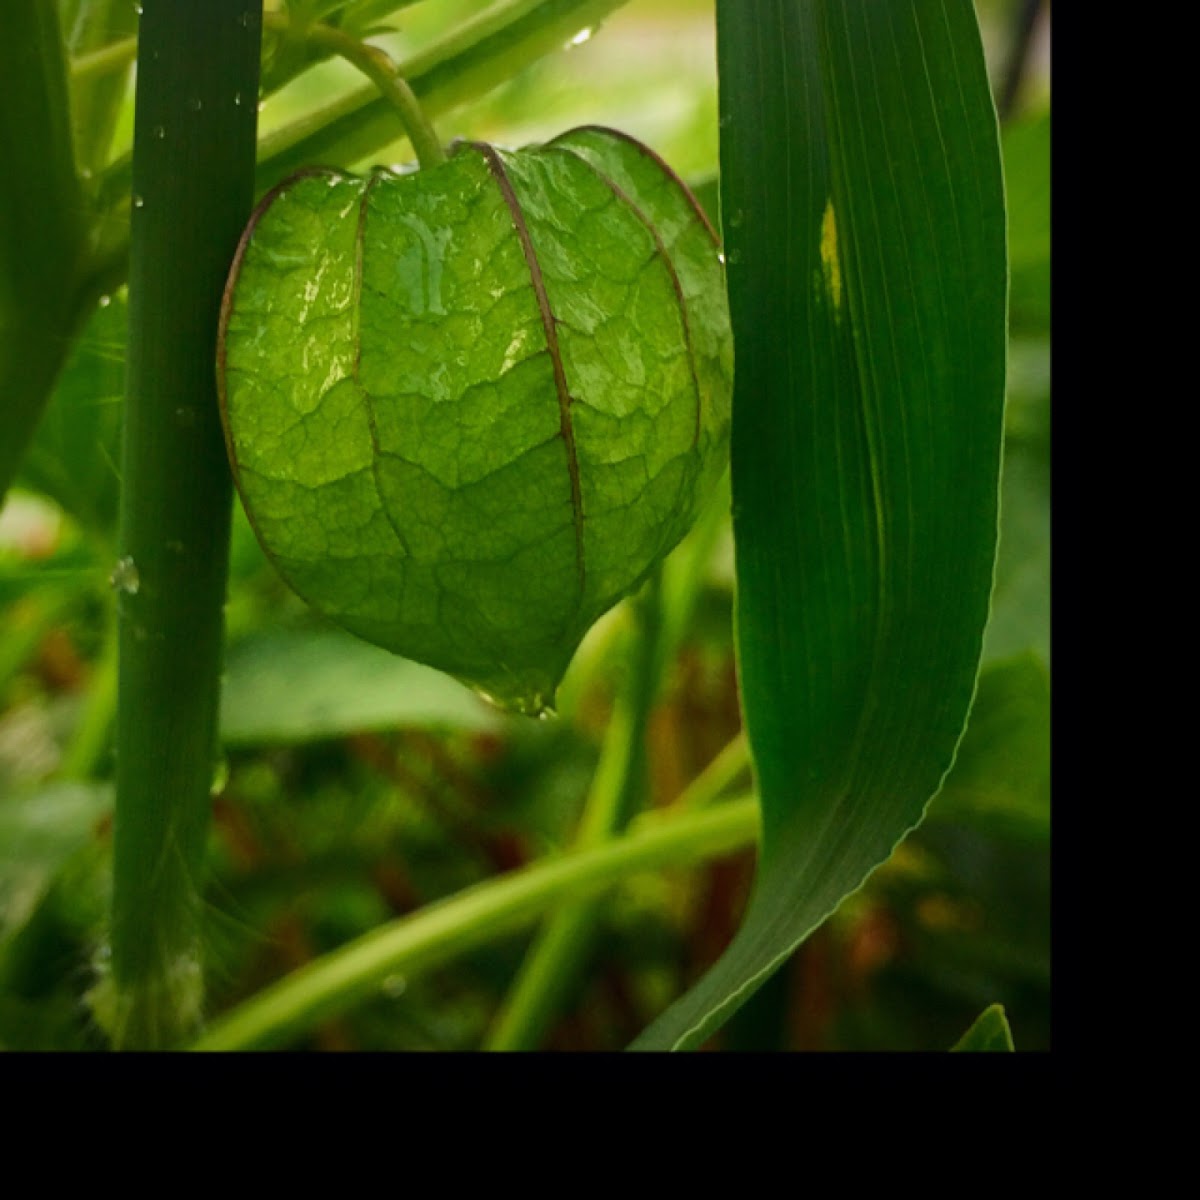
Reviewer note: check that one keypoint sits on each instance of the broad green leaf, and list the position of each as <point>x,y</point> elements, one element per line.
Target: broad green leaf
<point>470,408</point>
<point>862,206</point>
<point>284,687</point>
<point>989,1033</point>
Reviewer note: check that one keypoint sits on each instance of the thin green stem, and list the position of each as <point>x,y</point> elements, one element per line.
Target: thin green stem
<point>193,187</point>
<point>459,67</point>
<point>556,958</point>
<point>336,981</point>
<point>731,761</point>
<point>382,71</point>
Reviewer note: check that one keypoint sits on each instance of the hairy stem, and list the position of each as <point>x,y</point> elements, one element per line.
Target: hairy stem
<point>193,179</point>
<point>333,983</point>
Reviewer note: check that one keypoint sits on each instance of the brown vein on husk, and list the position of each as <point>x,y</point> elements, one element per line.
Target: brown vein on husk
<point>550,325</point>
<point>660,249</point>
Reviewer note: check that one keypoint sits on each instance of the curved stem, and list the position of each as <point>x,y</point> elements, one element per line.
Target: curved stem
<point>375,64</point>
<point>334,982</point>
<point>383,72</point>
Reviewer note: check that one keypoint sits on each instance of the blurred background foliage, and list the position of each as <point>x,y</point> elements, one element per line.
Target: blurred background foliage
<point>355,786</point>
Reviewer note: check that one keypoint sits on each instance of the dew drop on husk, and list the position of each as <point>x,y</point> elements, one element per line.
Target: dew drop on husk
<point>534,703</point>
<point>124,577</point>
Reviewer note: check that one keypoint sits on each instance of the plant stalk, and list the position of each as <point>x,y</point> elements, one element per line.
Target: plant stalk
<point>380,69</point>
<point>193,181</point>
<point>333,983</point>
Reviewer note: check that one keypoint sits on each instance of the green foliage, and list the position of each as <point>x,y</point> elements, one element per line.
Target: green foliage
<point>990,1033</point>
<point>470,408</point>
<point>870,330</point>
<point>392,863</point>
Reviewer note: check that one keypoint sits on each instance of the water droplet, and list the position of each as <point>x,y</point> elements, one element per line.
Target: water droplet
<point>394,986</point>
<point>721,257</point>
<point>261,105</point>
<point>105,301</point>
<point>582,36</point>
<point>244,20</point>
<point>124,577</point>
<point>160,132</point>
<point>137,8</point>
<point>532,703</point>
<point>237,97</point>
<point>138,202</point>
<point>195,104</point>
<point>220,779</point>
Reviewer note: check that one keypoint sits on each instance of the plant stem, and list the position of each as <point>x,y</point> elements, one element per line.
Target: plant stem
<point>731,761</point>
<point>459,67</point>
<point>333,983</point>
<point>556,958</point>
<point>382,71</point>
<point>193,186</point>
<point>468,62</point>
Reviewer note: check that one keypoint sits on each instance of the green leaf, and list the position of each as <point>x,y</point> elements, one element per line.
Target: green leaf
<point>862,204</point>
<point>990,1032</point>
<point>286,687</point>
<point>471,408</point>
